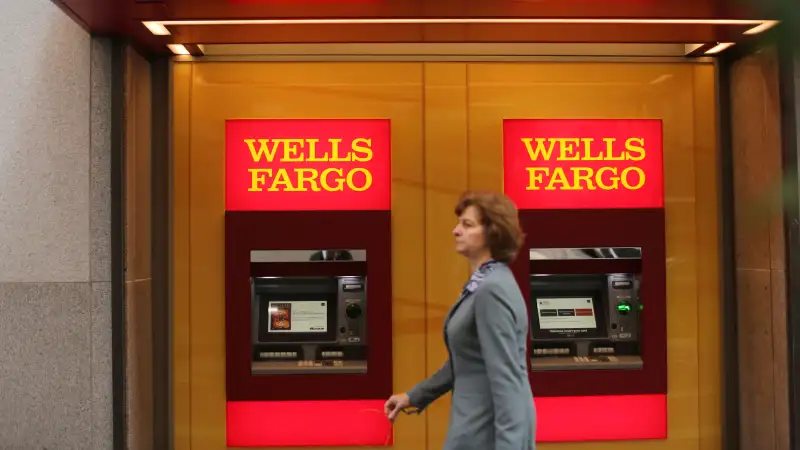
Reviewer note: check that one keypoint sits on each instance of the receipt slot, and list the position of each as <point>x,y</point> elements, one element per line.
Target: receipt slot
<point>586,321</point>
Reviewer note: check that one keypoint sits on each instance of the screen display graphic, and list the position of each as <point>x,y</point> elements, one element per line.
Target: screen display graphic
<point>566,313</point>
<point>298,317</point>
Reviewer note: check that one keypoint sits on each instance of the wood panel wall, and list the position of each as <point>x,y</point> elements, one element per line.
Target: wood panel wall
<point>138,252</point>
<point>446,138</point>
<point>760,259</point>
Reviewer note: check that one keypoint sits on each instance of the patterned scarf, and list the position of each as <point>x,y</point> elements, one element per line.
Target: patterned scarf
<point>478,276</point>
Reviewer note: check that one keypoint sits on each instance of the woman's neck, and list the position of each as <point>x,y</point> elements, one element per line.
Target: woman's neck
<point>475,261</point>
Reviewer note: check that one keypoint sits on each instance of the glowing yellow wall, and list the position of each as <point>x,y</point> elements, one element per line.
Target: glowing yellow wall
<point>446,137</point>
<point>682,95</point>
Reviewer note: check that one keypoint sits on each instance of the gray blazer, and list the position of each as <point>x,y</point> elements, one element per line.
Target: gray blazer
<point>486,334</point>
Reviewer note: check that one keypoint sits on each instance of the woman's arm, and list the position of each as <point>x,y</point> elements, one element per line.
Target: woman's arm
<point>438,384</point>
<point>496,324</point>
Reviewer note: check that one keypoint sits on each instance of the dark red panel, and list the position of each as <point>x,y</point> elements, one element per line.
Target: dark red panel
<point>329,269</point>
<point>606,228</point>
<point>122,18</point>
<point>294,230</point>
<point>242,9</point>
<point>586,266</point>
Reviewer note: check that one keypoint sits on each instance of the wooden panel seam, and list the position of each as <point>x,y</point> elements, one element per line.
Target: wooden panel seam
<point>182,430</point>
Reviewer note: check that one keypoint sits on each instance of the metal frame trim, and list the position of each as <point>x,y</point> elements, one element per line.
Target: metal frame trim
<point>440,58</point>
<point>118,301</point>
<point>727,245</point>
<point>161,205</point>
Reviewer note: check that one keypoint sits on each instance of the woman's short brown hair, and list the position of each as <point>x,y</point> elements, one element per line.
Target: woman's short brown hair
<point>500,219</point>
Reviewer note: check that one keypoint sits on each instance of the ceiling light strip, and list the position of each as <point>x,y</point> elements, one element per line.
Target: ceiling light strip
<point>157,28</point>
<point>719,47</point>
<point>757,26</point>
<point>529,20</point>
<point>178,49</point>
<point>766,25</point>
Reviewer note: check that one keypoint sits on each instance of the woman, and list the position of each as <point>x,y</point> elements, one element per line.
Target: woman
<point>486,336</point>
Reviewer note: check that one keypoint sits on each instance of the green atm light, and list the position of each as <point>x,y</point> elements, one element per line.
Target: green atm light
<point>623,308</point>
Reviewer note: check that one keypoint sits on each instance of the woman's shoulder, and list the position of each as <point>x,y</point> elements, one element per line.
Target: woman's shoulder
<point>501,272</point>
<point>500,288</point>
<point>500,277</point>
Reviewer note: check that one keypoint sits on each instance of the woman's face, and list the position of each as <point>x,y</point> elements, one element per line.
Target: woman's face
<point>469,232</point>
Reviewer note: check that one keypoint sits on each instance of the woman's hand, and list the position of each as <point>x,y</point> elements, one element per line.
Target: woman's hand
<point>395,404</point>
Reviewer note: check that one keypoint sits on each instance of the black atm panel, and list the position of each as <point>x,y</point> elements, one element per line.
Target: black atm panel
<point>309,324</point>
<point>584,321</point>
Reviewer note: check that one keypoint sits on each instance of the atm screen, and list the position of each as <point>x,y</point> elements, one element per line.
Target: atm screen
<point>298,317</point>
<point>562,311</point>
<point>566,313</point>
<point>295,318</point>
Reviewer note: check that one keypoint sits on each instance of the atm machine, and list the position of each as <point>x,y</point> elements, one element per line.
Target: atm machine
<point>585,321</point>
<point>308,324</point>
<point>590,195</point>
<point>595,282</point>
<point>308,282</point>
<point>308,332</point>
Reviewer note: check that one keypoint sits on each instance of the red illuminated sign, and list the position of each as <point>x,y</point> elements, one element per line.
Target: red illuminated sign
<point>307,164</point>
<point>581,419</point>
<point>583,164</point>
<point>362,423</point>
<point>334,423</point>
<point>297,2</point>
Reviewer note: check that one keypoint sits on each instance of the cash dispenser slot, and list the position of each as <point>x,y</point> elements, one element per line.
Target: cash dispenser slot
<point>583,315</point>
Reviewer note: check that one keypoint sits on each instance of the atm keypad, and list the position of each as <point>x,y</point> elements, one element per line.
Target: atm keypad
<point>604,350</point>
<point>334,363</point>
<point>278,355</point>
<point>332,354</point>
<point>593,359</point>
<point>551,351</point>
